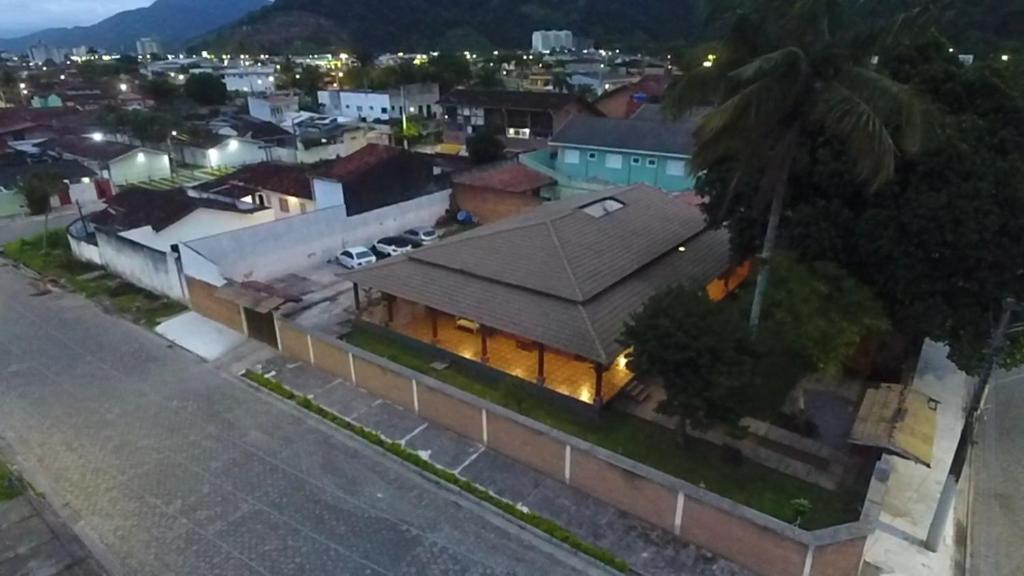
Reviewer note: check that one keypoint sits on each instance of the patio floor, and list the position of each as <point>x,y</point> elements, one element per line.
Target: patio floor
<point>562,373</point>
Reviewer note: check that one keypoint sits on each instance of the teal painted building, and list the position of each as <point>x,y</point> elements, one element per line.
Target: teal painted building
<point>641,150</point>
<point>47,101</point>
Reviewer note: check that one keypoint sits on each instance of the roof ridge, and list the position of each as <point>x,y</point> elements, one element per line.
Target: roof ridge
<point>565,261</point>
<point>591,331</point>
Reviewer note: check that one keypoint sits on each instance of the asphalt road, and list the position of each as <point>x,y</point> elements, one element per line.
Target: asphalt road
<point>177,469</point>
<point>16,227</point>
<point>997,507</point>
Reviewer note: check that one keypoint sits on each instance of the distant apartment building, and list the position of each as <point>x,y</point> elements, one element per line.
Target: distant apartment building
<point>255,79</point>
<point>146,46</point>
<point>548,40</point>
<point>275,108</point>
<point>381,105</point>
<point>40,53</point>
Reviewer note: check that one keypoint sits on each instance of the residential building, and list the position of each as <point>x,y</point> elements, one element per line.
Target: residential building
<point>618,152</point>
<point>144,47</point>
<point>276,108</point>
<point>137,235</point>
<point>39,53</point>
<point>211,150</point>
<point>548,40</point>
<point>601,82</point>
<point>253,79</point>
<point>82,185</point>
<point>543,296</point>
<point>52,100</point>
<point>514,114</point>
<point>285,189</point>
<point>496,192</point>
<point>380,105</point>
<point>624,100</point>
<point>116,161</point>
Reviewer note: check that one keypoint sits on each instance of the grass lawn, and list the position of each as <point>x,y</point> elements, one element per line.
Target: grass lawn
<point>699,462</point>
<point>139,305</point>
<point>7,492</point>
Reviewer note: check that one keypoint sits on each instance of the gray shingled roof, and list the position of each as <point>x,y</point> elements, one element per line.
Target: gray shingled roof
<point>627,135</point>
<point>558,275</point>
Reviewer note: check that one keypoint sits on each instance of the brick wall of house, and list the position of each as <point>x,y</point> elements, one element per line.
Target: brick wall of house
<point>724,528</point>
<point>489,205</point>
<point>453,414</point>
<point>836,559</point>
<point>294,343</point>
<point>757,548</point>
<point>203,299</point>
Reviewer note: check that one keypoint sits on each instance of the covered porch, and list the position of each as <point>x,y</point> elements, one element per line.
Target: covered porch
<point>567,374</point>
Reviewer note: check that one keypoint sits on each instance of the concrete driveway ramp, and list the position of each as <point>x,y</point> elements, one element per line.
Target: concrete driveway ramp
<point>200,335</point>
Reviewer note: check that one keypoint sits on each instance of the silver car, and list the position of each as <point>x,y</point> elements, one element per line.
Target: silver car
<point>422,234</point>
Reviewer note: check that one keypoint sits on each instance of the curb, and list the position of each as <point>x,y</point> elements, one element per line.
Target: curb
<point>458,496</point>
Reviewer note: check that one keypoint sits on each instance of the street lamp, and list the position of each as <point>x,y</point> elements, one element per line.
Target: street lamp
<point>1005,57</point>
<point>123,87</point>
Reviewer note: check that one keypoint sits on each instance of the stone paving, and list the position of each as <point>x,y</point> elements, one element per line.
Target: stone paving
<point>648,549</point>
<point>34,542</point>
<point>175,468</point>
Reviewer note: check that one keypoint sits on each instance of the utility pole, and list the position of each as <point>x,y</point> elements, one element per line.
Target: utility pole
<point>963,447</point>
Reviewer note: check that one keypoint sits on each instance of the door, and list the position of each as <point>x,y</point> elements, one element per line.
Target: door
<point>261,326</point>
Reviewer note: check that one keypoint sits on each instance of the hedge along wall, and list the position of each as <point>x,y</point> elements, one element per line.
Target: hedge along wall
<point>747,537</point>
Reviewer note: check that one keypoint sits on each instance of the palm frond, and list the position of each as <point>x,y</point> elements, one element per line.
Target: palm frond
<point>898,105</point>
<point>702,87</point>
<point>845,116</point>
<point>788,62</point>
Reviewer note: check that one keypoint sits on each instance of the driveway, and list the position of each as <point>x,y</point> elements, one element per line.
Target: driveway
<point>177,469</point>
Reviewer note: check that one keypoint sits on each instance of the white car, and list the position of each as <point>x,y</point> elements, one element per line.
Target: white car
<point>422,234</point>
<point>356,257</point>
<point>393,245</point>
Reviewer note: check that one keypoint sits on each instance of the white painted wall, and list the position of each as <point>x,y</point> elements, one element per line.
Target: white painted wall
<point>199,224</point>
<point>328,193</point>
<point>365,105</point>
<point>85,251</point>
<point>278,203</point>
<point>139,166</point>
<point>275,110</point>
<point>141,265</point>
<point>252,80</point>
<point>235,152</point>
<point>270,250</point>
<point>198,266</point>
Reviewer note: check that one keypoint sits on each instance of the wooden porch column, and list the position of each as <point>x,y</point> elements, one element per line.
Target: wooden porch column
<point>540,364</point>
<point>389,304</point>
<point>355,296</point>
<point>483,345</point>
<point>598,385</point>
<point>433,325</point>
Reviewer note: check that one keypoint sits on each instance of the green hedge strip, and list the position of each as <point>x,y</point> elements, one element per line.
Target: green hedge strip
<point>541,523</point>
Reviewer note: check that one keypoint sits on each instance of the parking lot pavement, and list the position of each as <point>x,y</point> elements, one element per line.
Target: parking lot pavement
<point>648,549</point>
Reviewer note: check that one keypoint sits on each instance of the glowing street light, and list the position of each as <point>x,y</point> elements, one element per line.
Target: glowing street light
<point>123,87</point>
<point>1005,57</point>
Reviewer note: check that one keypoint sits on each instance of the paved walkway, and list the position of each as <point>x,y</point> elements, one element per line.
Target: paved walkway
<point>35,542</point>
<point>175,468</point>
<point>648,549</point>
<point>913,492</point>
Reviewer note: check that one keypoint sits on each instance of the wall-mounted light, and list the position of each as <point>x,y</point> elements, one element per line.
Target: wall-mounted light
<point>97,136</point>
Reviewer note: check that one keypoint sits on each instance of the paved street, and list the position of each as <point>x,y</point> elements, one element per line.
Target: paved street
<point>177,469</point>
<point>997,510</point>
<point>19,226</point>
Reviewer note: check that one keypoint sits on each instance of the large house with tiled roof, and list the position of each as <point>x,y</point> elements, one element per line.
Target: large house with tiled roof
<point>543,296</point>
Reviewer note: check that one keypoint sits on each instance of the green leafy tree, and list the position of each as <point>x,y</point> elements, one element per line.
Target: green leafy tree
<point>38,189</point>
<point>159,90</point>
<point>485,146</point>
<point>783,73</point>
<point>819,312</point>
<point>206,89</point>
<point>700,350</point>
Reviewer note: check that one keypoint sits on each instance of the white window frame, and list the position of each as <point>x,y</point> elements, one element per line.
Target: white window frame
<point>652,162</point>
<point>592,156</point>
<point>571,156</point>
<point>635,161</point>
<point>613,161</point>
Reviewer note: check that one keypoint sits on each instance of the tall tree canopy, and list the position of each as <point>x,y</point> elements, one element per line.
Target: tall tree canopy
<point>788,70</point>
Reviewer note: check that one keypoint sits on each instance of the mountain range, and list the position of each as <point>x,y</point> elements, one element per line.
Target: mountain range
<point>420,25</point>
<point>172,22</point>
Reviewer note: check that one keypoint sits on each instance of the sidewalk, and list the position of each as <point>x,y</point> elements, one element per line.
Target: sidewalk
<point>897,547</point>
<point>649,550</point>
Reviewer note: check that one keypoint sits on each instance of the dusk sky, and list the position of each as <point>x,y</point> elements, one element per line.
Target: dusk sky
<point>24,16</point>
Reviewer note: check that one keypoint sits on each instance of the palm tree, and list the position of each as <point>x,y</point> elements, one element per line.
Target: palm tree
<point>778,79</point>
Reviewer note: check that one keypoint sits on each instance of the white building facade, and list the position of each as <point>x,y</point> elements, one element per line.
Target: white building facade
<point>548,40</point>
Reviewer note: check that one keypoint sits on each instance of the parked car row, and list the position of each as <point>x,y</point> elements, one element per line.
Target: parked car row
<point>386,247</point>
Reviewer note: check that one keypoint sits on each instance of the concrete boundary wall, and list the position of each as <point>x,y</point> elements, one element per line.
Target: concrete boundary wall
<point>750,538</point>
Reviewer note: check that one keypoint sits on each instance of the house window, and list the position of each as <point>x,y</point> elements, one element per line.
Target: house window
<point>613,161</point>
<point>571,156</point>
<point>634,161</point>
<point>591,156</point>
<point>359,108</point>
<point>282,202</point>
<point>302,207</point>
<point>652,162</point>
<point>261,199</point>
<point>675,168</point>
